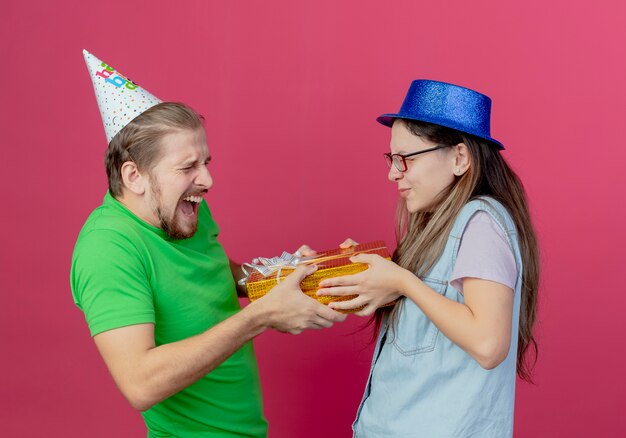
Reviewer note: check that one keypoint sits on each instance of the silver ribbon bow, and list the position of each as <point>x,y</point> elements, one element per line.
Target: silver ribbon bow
<point>267,266</point>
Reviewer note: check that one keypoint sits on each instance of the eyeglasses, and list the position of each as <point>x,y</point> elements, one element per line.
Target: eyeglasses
<point>399,160</point>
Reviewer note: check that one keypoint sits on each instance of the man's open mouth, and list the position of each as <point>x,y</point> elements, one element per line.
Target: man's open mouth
<point>189,205</point>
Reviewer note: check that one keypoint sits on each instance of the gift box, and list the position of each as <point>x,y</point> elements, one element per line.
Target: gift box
<point>263,274</point>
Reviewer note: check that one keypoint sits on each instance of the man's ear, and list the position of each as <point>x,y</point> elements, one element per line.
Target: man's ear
<point>462,159</point>
<point>132,178</point>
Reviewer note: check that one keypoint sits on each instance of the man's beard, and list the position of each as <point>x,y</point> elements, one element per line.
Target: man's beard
<point>167,221</point>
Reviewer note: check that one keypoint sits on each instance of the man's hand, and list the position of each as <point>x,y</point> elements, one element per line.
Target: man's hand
<point>288,309</point>
<point>306,250</point>
<point>347,243</point>
<point>235,268</point>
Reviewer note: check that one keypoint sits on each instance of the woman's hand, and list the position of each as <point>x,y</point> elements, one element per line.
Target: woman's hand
<point>380,284</point>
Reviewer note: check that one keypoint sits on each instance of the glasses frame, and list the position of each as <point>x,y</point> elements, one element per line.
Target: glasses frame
<point>389,157</point>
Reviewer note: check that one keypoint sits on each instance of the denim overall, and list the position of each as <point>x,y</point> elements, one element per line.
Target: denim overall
<point>421,384</point>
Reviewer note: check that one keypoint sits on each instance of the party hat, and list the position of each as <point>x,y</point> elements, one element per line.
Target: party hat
<point>120,100</point>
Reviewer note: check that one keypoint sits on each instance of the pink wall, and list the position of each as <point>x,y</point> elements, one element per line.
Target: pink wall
<point>290,91</point>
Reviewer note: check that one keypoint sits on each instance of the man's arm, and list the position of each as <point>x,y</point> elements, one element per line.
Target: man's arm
<point>147,374</point>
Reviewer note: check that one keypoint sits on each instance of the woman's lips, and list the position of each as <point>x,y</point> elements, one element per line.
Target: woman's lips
<point>404,192</point>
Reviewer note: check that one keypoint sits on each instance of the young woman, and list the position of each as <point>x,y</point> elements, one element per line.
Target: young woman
<point>465,276</point>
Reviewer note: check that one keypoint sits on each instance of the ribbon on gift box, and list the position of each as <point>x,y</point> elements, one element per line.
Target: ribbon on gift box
<point>260,277</point>
<point>268,266</point>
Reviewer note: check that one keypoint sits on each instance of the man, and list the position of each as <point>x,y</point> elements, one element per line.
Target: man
<point>155,284</point>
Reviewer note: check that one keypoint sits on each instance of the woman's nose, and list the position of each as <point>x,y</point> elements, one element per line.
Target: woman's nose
<point>394,174</point>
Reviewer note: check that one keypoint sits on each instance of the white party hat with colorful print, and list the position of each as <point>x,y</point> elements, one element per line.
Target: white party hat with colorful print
<point>120,100</point>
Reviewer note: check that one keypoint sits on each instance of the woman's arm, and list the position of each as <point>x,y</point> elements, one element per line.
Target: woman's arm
<point>481,326</point>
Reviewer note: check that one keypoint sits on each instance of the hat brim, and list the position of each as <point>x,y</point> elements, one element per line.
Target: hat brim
<point>387,120</point>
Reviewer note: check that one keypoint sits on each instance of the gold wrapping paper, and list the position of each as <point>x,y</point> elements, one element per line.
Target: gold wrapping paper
<point>331,263</point>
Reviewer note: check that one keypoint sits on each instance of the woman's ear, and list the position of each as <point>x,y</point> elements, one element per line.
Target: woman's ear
<point>461,160</point>
<point>133,180</point>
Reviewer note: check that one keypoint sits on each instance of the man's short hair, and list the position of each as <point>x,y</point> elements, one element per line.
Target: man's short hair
<point>139,140</point>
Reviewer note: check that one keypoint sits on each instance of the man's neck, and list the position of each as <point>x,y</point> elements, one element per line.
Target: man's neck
<point>137,206</point>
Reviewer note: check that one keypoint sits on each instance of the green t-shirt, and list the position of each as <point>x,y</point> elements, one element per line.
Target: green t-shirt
<point>125,271</point>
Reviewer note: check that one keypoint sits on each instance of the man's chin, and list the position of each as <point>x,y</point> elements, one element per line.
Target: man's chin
<point>177,232</point>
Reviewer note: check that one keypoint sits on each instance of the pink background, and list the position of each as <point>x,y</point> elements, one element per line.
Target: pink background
<point>290,91</point>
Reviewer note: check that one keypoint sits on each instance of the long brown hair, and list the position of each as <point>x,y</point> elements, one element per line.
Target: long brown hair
<point>421,236</point>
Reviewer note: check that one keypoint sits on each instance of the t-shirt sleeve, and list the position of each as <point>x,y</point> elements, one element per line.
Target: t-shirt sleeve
<point>484,253</point>
<point>110,283</point>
